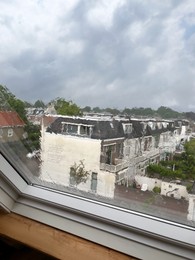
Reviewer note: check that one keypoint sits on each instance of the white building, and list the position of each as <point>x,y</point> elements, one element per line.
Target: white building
<point>112,151</point>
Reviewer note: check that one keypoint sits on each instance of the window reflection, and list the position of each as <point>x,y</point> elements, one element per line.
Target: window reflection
<point>106,157</point>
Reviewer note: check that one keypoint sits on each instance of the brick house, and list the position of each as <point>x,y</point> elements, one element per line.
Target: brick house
<point>11,127</point>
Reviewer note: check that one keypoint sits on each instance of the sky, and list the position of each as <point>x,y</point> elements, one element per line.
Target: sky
<point>106,53</point>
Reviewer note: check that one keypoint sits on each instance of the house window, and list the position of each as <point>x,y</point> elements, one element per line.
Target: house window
<point>109,151</point>
<point>72,180</point>
<point>10,132</point>
<point>71,129</point>
<point>127,128</point>
<point>127,150</point>
<point>1,133</point>
<point>111,124</point>
<point>94,181</point>
<point>85,130</point>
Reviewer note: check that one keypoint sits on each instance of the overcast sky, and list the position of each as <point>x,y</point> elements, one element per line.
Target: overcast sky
<point>112,53</point>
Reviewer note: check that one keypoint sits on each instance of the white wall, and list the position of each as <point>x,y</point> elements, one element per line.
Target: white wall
<point>60,152</point>
<point>191,208</point>
<point>151,182</point>
<point>168,187</point>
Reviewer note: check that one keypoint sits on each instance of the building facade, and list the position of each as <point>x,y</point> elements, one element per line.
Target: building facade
<point>11,127</point>
<point>112,150</point>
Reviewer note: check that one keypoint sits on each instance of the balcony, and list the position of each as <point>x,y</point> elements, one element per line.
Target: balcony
<point>114,168</point>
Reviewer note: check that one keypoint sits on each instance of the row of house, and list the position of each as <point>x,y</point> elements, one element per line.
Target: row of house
<point>113,150</point>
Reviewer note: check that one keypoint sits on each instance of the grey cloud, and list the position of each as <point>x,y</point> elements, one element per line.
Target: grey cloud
<point>113,68</point>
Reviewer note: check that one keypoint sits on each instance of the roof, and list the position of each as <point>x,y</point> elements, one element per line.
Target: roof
<point>101,129</point>
<point>47,120</point>
<point>10,119</point>
<point>107,129</point>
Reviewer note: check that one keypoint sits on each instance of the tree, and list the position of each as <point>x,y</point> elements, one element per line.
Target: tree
<point>166,112</point>
<point>39,103</point>
<point>78,174</point>
<point>10,103</point>
<point>18,106</point>
<point>97,110</point>
<point>33,140</point>
<point>190,148</point>
<point>27,104</point>
<point>64,107</point>
<point>86,109</point>
<point>182,167</point>
<point>113,111</point>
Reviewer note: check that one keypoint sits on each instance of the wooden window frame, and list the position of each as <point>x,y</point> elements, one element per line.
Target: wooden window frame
<point>126,231</point>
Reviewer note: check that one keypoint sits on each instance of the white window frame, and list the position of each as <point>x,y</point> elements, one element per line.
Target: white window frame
<point>94,179</point>
<point>128,128</point>
<point>1,132</point>
<point>10,132</point>
<point>126,231</point>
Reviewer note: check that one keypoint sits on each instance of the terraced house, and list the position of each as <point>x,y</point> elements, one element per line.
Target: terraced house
<point>11,127</point>
<point>111,150</point>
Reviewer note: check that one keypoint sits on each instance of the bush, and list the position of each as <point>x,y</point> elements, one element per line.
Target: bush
<point>189,187</point>
<point>157,189</point>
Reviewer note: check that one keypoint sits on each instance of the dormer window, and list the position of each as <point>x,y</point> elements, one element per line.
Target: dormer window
<point>77,129</point>
<point>152,125</point>
<point>70,128</point>
<point>111,124</point>
<point>144,125</point>
<point>1,133</point>
<point>159,124</point>
<point>127,128</point>
<point>10,132</point>
<point>85,130</point>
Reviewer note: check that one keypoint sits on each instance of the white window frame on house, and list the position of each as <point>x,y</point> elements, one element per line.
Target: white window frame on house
<point>10,132</point>
<point>1,132</point>
<point>88,129</point>
<point>133,233</point>
<point>128,128</point>
<point>94,180</point>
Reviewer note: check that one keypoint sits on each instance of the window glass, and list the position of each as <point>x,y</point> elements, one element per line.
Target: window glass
<point>10,132</point>
<point>94,182</point>
<point>1,133</point>
<point>94,100</point>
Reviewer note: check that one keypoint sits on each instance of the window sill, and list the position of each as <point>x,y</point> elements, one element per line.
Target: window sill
<point>129,232</point>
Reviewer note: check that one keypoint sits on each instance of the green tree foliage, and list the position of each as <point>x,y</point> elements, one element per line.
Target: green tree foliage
<point>64,107</point>
<point>86,109</point>
<point>163,112</point>
<point>190,148</point>
<point>157,189</point>
<point>166,112</point>
<point>190,115</point>
<point>182,167</point>
<point>113,111</point>
<point>78,173</point>
<point>157,170</point>
<point>39,103</point>
<point>139,111</point>
<point>27,104</point>
<point>97,110</point>
<point>33,140</point>
<point>10,103</point>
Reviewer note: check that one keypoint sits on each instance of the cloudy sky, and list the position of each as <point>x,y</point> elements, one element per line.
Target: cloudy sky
<point>106,53</point>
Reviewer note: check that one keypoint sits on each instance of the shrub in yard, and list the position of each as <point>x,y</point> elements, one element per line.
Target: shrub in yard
<point>157,189</point>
